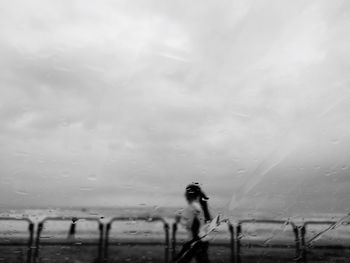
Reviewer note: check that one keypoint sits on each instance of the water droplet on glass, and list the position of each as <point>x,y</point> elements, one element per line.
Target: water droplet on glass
<point>85,188</point>
<point>92,177</point>
<point>65,174</point>
<point>267,241</point>
<point>241,171</point>
<point>335,141</point>
<point>21,192</point>
<point>23,154</point>
<point>64,122</point>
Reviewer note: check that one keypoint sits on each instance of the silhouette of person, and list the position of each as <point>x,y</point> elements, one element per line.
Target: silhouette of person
<point>193,217</point>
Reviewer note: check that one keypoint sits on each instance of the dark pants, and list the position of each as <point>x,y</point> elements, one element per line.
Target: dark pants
<point>193,249</point>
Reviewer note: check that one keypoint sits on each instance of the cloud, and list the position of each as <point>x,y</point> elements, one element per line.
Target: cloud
<point>153,94</point>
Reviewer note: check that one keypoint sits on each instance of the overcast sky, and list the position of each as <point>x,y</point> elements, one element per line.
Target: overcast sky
<point>125,102</point>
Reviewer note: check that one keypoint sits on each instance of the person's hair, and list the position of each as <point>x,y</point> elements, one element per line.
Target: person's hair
<point>193,191</point>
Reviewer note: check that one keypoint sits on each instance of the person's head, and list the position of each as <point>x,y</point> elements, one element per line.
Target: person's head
<point>194,193</point>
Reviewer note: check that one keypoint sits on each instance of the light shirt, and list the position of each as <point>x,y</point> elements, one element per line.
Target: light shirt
<point>188,214</point>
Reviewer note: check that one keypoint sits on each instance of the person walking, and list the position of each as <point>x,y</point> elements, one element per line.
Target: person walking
<point>193,218</point>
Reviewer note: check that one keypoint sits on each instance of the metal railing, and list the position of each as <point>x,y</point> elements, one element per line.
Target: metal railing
<point>29,242</point>
<point>305,248</point>
<point>107,242</point>
<point>239,231</point>
<point>71,240</point>
<point>103,239</point>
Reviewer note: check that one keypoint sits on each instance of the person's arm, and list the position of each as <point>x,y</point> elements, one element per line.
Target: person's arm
<point>204,204</point>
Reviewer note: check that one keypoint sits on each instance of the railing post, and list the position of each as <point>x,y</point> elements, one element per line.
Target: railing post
<point>303,245</point>
<point>30,242</point>
<point>173,241</point>
<point>238,242</point>
<point>71,233</point>
<point>37,241</point>
<point>232,241</point>
<point>296,239</point>
<point>105,255</point>
<point>100,242</point>
<point>166,229</point>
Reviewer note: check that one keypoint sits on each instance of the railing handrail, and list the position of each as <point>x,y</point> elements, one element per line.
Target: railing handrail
<point>137,218</point>
<point>324,222</point>
<point>268,221</point>
<point>7,218</point>
<point>70,218</point>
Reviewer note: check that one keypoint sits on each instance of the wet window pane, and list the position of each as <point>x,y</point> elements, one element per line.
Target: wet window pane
<point>171,131</point>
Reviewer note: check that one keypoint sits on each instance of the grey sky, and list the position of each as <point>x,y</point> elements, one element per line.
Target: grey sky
<point>125,102</point>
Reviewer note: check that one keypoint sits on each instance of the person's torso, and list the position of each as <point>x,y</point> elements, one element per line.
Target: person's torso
<point>192,218</point>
